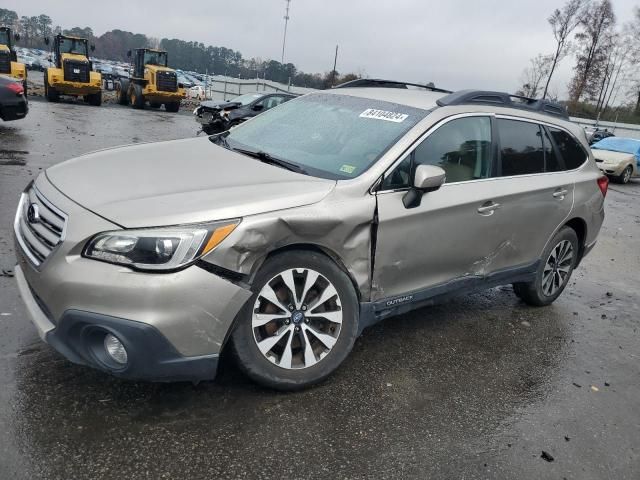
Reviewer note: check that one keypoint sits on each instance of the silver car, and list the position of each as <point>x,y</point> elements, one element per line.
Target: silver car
<point>287,236</point>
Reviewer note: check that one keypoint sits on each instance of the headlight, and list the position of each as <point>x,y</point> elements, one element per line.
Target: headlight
<point>158,249</point>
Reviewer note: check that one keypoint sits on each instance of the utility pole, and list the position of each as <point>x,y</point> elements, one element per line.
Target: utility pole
<point>333,72</point>
<point>286,22</point>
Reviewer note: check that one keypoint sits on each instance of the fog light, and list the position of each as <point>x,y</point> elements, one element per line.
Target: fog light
<point>115,349</point>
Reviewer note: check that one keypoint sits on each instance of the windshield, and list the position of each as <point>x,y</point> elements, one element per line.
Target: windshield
<point>331,136</point>
<point>622,145</point>
<point>247,98</point>
<point>155,58</point>
<point>73,45</point>
<point>4,37</point>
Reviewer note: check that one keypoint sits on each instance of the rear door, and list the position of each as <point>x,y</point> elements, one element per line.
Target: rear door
<point>537,190</point>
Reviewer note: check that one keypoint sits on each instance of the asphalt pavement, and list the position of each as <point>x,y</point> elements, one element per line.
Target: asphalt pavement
<point>482,386</point>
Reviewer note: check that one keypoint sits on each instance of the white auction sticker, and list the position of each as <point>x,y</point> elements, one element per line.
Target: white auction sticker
<point>384,115</point>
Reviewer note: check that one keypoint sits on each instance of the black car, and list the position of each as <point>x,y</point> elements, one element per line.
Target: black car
<point>599,135</point>
<point>13,103</point>
<point>216,117</point>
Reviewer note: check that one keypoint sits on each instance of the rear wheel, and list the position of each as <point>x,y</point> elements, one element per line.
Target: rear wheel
<point>122,88</point>
<point>558,261</point>
<point>300,323</point>
<point>172,106</point>
<point>136,99</point>
<point>155,104</point>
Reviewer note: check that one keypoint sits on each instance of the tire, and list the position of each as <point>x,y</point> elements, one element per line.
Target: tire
<point>95,99</point>
<point>122,92</point>
<point>50,92</point>
<point>625,176</point>
<point>311,344</point>
<point>24,87</point>
<point>136,99</point>
<point>155,104</point>
<point>540,292</point>
<point>172,107</point>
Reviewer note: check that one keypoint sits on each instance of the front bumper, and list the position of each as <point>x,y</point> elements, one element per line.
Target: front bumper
<point>177,321</point>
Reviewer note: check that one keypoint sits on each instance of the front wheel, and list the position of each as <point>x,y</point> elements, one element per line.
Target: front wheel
<point>172,106</point>
<point>95,99</point>
<point>299,325</point>
<point>558,261</point>
<point>136,98</point>
<point>625,176</point>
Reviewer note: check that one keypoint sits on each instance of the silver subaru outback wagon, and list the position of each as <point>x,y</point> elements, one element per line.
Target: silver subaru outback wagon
<point>287,236</point>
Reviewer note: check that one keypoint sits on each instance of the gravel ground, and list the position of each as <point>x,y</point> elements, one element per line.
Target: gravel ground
<point>480,387</point>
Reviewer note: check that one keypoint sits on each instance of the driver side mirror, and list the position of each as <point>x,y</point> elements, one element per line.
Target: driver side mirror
<point>128,53</point>
<point>46,40</point>
<point>427,178</point>
<point>258,107</point>
<point>93,48</point>
<point>17,37</point>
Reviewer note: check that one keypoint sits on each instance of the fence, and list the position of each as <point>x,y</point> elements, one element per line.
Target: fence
<point>219,87</point>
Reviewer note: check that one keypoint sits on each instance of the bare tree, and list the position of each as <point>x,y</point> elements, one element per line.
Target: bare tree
<point>563,22</point>
<point>596,22</point>
<point>534,74</point>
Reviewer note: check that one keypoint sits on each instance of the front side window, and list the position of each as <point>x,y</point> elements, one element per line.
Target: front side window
<point>572,153</point>
<point>521,148</point>
<point>333,136</point>
<point>461,147</point>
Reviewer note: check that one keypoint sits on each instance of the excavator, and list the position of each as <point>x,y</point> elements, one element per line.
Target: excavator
<point>72,74</point>
<point>9,65</point>
<point>150,80</point>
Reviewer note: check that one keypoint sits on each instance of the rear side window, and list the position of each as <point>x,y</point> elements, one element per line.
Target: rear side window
<point>521,147</point>
<point>572,153</point>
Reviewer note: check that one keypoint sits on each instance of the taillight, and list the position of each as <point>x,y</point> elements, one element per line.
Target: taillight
<point>16,87</point>
<point>603,183</point>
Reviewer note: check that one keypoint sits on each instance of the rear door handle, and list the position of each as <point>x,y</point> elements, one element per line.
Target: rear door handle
<point>560,194</point>
<point>488,209</point>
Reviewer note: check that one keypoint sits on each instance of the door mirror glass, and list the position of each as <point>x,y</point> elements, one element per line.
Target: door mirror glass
<point>128,53</point>
<point>258,107</point>
<point>17,37</point>
<point>428,178</point>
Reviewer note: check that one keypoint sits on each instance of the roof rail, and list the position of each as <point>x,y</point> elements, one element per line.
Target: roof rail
<point>501,99</point>
<point>379,83</point>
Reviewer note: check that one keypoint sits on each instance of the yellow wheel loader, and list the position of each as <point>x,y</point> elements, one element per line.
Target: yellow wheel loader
<point>151,80</point>
<point>73,74</point>
<point>9,65</point>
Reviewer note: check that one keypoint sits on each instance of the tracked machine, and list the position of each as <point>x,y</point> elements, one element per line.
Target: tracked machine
<point>73,74</point>
<point>9,65</point>
<point>151,81</point>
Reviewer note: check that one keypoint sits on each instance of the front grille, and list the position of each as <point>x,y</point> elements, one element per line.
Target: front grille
<point>39,226</point>
<point>75,71</point>
<point>167,81</point>
<point>5,62</point>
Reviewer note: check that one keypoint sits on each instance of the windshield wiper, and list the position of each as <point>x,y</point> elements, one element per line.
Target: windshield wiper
<point>268,158</point>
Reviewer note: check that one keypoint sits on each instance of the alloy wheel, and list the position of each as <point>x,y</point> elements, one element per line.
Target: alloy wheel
<point>297,318</point>
<point>626,175</point>
<point>558,268</point>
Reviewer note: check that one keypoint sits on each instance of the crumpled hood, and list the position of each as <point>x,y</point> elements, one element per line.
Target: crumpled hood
<point>214,105</point>
<point>181,181</point>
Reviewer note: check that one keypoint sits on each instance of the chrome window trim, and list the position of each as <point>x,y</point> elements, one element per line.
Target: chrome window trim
<point>446,120</point>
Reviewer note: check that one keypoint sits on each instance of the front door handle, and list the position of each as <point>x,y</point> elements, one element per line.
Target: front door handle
<point>560,194</point>
<point>488,208</point>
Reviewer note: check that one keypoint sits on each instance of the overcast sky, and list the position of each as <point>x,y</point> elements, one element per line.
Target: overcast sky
<point>454,43</point>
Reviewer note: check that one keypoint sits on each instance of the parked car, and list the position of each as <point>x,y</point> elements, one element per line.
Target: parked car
<point>13,102</point>
<point>618,158</point>
<point>288,235</point>
<point>216,116</point>
<point>597,135</point>
<point>197,91</point>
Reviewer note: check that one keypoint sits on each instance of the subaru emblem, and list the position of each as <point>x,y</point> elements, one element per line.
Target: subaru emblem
<point>33,213</point>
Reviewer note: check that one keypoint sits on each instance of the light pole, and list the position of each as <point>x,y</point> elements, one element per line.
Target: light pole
<point>286,21</point>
